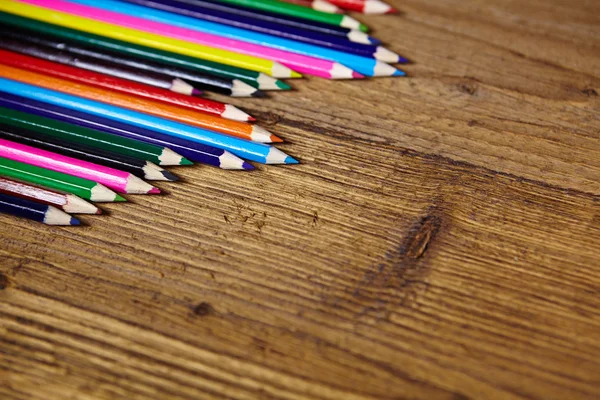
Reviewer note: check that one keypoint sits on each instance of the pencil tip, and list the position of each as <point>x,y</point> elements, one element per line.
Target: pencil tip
<point>185,161</point>
<point>374,41</point>
<point>282,85</point>
<point>170,176</point>
<point>258,93</point>
<point>356,75</point>
<point>75,221</point>
<point>119,198</point>
<point>392,11</point>
<point>196,92</point>
<point>290,160</point>
<point>251,118</point>
<point>402,60</point>
<point>154,190</point>
<point>295,74</point>
<point>276,139</point>
<point>247,166</point>
<point>363,28</point>
<point>98,212</point>
<point>399,73</point>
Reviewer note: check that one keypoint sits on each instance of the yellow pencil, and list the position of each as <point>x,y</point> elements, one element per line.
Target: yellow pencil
<point>269,67</point>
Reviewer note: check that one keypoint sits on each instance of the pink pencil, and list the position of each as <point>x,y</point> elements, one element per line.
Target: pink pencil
<point>303,64</point>
<point>117,180</point>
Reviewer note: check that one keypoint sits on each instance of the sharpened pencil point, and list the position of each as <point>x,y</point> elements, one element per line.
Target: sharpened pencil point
<point>170,176</point>
<point>99,212</point>
<point>374,41</point>
<point>259,93</point>
<point>290,160</point>
<point>75,221</point>
<point>247,166</point>
<point>154,190</point>
<point>392,11</point>
<point>251,118</point>
<point>282,85</point>
<point>196,92</point>
<point>185,161</point>
<point>356,75</point>
<point>119,198</point>
<point>276,139</point>
<point>295,74</point>
<point>402,60</point>
<point>363,28</point>
<point>399,73</point>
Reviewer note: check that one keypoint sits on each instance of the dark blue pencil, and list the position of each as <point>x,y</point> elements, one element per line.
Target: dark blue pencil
<point>49,215</point>
<point>263,16</point>
<point>191,150</point>
<point>273,29</point>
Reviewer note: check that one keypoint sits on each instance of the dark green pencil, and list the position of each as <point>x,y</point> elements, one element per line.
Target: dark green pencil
<point>90,137</point>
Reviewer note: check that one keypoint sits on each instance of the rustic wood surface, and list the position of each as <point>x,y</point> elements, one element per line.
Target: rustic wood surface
<point>440,240</point>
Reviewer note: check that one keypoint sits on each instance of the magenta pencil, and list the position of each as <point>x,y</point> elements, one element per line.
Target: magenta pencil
<point>301,63</point>
<point>117,180</point>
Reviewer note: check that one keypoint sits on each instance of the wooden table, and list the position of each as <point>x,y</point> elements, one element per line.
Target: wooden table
<point>440,240</point>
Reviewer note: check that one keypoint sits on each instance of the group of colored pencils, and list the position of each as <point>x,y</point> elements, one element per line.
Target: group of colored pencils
<point>97,97</point>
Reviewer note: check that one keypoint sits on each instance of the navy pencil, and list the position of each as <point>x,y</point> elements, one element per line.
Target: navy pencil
<point>263,16</point>
<point>23,208</point>
<point>191,150</point>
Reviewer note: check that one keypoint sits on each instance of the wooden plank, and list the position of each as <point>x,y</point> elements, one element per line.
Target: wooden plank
<point>439,241</point>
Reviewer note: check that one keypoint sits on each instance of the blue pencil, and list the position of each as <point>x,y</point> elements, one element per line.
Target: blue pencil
<point>49,215</point>
<point>252,151</point>
<point>364,65</point>
<point>299,23</point>
<point>191,150</point>
<point>362,46</point>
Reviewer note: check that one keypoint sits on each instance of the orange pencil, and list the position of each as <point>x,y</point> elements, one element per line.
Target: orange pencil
<point>229,127</point>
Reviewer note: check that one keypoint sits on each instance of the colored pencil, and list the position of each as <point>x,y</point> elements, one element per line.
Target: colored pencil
<point>83,188</point>
<point>140,168</point>
<point>301,24</point>
<point>273,29</point>
<point>84,43</point>
<point>98,73</point>
<point>294,10</point>
<point>319,5</point>
<point>211,122</point>
<point>365,6</point>
<point>65,201</point>
<point>44,213</point>
<point>280,49</point>
<point>243,148</point>
<point>30,10</point>
<point>123,182</point>
<point>46,49</point>
<point>191,150</point>
<point>102,12</point>
<point>35,64</point>
<point>88,137</point>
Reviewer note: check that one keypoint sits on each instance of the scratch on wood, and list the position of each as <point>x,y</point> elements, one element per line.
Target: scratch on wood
<point>203,309</point>
<point>422,236</point>
<point>4,282</point>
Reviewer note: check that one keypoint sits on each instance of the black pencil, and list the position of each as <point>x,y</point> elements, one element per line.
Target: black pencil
<point>21,41</point>
<point>140,168</point>
<point>150,78</point>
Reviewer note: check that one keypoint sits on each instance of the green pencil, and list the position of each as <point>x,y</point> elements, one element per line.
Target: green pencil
<point>297,11</point>
<point>92,138</point>
<point>256,79</point>
<point>86,189</point>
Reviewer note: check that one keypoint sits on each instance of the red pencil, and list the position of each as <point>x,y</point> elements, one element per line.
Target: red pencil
<point>122,85</point>
<point>365,6</point>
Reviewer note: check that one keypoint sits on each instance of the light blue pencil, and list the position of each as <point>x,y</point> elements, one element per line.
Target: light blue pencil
<point>243,148</point>
<point>365,65</point>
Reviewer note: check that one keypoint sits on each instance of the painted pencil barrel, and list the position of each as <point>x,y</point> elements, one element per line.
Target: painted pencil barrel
<point>84,188</point>
<point>364,65</point>
<point>32,210</point>
<point>191,150</point>
<point>246,149</point>
<point>30,10</point>
<point>78,41</point>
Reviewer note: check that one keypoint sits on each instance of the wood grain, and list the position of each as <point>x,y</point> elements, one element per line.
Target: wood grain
<point>440,239</point>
